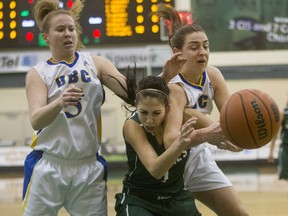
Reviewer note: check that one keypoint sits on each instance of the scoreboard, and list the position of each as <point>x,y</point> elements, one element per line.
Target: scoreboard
<point>104,22</point>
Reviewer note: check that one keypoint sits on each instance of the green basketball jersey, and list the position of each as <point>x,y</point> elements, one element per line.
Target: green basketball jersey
<point>284,128</point>
<point>138,180</point>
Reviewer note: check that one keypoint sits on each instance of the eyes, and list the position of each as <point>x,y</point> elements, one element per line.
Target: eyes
<point>144,112</point>
<point>197,46</point>
<point>64,28</point>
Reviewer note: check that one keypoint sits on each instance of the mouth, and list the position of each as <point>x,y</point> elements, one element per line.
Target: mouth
<point>201,61</point>
<point>149,128</point>
<point>68,43</point>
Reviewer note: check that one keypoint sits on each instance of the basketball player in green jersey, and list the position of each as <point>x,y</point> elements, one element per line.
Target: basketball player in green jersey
<point>154,184</point>
<point>283,149</point>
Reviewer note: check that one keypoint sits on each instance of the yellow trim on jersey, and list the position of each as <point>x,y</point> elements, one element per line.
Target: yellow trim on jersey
<point>24,203</point>
<point>56,62</point>
<point>34,139</point>
<point>99,127</point>
<point>195,84</point>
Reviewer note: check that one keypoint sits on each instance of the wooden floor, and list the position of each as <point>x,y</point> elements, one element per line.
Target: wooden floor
<point>261,192</point>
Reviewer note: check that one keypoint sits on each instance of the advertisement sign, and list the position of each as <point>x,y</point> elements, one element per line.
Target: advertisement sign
<point>235,25</point>
<point>144,57</point>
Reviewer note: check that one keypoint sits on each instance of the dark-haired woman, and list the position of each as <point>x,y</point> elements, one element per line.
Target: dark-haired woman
<point>197,86</point>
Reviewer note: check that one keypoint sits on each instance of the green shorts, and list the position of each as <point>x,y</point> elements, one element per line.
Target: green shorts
<point>182,204</point>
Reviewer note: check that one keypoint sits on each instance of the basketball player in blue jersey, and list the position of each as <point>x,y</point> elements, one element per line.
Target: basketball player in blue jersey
<point>196,86</point>
<point>65,95</point>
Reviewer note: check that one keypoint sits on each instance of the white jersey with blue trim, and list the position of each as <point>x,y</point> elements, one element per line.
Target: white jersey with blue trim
<point>200,96</point>
<point>76,131</point>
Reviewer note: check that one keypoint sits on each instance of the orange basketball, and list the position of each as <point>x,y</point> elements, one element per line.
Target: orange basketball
<point>250,118</point>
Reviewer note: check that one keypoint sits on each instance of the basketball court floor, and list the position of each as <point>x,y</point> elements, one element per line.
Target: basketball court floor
<point>259,188</point>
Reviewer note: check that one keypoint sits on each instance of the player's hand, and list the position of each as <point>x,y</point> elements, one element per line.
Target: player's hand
<point>71,96</point>
<point>173,66</point>
<point>186,131</point>
<point>217,138</point>
<point>227,145</point>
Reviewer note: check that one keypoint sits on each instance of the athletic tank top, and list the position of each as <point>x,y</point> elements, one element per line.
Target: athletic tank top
<point>139,181</point>
<point>76,131</point>
<point>200,96</point>
<point>284,128</point>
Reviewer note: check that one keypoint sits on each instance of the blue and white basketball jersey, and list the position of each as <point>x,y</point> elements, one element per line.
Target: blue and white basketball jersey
<point>200,96</point>
<point>76,131</point>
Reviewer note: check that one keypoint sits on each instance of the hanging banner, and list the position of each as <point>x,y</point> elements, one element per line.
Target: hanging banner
<point>235,25</point>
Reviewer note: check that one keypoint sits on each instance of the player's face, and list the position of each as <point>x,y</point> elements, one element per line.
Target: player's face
<point>62,35</point>
<point>196,50</point>
<point>151,112</point>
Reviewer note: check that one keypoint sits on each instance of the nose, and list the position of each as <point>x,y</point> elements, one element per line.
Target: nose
<point>67,33</point>
<point>202,51</point>
<point>149,120</point>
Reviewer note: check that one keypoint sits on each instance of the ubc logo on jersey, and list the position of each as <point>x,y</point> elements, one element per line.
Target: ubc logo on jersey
<point>73,77</point>
<point>203,99</point>
<point>201,102</point>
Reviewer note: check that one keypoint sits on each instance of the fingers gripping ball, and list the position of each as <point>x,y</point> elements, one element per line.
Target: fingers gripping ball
<point>250,118</point>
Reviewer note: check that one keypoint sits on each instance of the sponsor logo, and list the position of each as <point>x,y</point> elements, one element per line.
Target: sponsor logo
<point>7,62</point>
<point>260,121</point>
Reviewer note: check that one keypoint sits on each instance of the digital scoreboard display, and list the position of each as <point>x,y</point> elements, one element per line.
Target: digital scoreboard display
<point>105,22</point>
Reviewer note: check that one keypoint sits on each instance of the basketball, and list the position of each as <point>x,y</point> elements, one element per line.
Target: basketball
<point>250,118</point>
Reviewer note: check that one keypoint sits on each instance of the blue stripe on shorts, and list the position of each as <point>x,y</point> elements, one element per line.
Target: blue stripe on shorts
<point>102,160</point>
<point>30,162</point>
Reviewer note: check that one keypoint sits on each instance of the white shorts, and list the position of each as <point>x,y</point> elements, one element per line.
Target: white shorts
<point>201,171</point>
<point>76,185</point>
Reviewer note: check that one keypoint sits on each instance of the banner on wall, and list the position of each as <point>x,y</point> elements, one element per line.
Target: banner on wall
<point>14,156</point>
<point>235,25</point>
<point>145,57</point>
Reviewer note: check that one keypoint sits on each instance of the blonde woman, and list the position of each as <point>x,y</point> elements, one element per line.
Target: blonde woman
<point>65,95</point>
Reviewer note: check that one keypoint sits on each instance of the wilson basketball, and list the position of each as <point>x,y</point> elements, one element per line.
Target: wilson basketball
<point>250,118</point>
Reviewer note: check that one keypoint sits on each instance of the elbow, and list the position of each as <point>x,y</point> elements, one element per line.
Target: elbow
<point>156,173</point>
<point>35,126</point>
<point>35,123</point>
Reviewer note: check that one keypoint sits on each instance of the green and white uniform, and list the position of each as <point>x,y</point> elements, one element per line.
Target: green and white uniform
<point>143,195</point>
<point>283,151</point>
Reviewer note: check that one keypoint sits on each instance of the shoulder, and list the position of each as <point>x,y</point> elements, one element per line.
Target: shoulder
<point>104,65</point>
<point>177,94</point>
<point>213,71</point>
<point>41,65</point>
<point>34,73</point>
<point>101,60</point>
<point>176,89</point>
<point>214,74</point>
<point>132,131</point>
<point>34,80</point>
<point>132,121</point>
<point>175,79</point>
<point>85,55</point>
